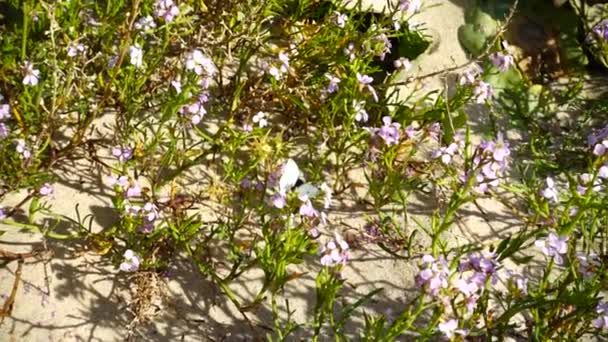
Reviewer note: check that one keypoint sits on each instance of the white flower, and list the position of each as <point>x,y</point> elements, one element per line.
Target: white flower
<point>200,63</point>
<point>260,119</point>
<point>550,192</point>
<point>137,56</point>
<point>31,75</point>
<point>340,19</point>
<point>360,113</point>
<point>75,49</point>
<point>166,9</point>
<point>131,263</point>
<point>403,63</point>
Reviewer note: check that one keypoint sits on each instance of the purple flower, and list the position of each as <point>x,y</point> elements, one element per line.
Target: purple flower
<point>278,200</point>
<point>554,246</point>
<point>433,275</point>
<point>74,49</point>
<point>365,82</point>
<point>22,149</point>
<point>123,154</point>
<point>4,130</point>
<point>445,153</point>
<point>410,6</point>
<point>166,9</point>
<point>482,92</point>
<point>434,130</point>
<point>332,87</point>
<point>145,24</point>
<point>550,192</point>
<point>134,190</point>
<point>410,132</point>
<point>2,214</point>
<point>603,171</point>
<point>46,190</point>
<point>588,264</point>
<point>350,51</point>
<point>195,110</point>
<point>131,263</point>
<point>602,321</point>
<point>469,77</point>
<point>200,64</point>
<point>5,111</point>
<point>502,61</point>
<point>601,30</point>
<point>389,132</point>
<point>335,252</point>
<point>306,209</point>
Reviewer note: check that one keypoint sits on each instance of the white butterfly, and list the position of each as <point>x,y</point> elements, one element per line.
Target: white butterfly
<point>289,178</point>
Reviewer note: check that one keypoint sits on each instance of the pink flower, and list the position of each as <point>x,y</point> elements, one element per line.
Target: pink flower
<point>278,200</point>
<point>335,252</point>
<point>306,209</point>
<point>134,190</point>
<point>46,190</point>
<point>123,154</point>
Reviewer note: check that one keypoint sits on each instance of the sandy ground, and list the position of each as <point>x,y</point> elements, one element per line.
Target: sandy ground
<point>79,296</point>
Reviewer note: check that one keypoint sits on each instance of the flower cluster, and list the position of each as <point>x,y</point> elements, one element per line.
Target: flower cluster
<point>491,163</point>
<point>23,149</point>
<point>166,9</point>
<point>334,252</point>
<point>195,111</point>
<point>447,153</point>
<point>601,30</point>
<point>201,65</point>
<point>502,61</point>
<point>279,70</point>
<point>122,153</point>
<point>434,274</point>
<point>554,246</point>
<point>588,264</point>
<point>5,113</point>
<point>481,266</point>
<point>149,213</point>
<point>123,184</point>
<point>389,132</point>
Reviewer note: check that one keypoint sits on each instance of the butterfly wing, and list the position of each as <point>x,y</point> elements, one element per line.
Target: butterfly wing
<point>289,177</point>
